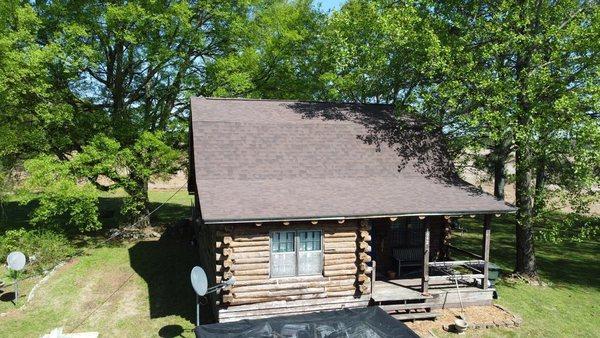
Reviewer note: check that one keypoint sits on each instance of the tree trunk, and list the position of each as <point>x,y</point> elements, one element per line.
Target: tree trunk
<point>525,260</point>
<point>500,157</point>
<point>499,179</point>
<point>540,187</point>
<point>136,207</point>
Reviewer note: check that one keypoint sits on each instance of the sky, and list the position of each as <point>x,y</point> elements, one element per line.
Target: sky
<point>330,4</point>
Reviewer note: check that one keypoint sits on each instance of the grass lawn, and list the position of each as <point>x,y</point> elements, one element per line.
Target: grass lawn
<point>141,289</point>
<point>569,306</point>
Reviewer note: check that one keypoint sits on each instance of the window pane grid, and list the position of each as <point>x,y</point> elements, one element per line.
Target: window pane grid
<point>310,240</point>
<point>283,242</point>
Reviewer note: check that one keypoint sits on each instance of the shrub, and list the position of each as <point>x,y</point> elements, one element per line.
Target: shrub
<point>573,227</point>
<point>47,247</point>
<point>64,203</point>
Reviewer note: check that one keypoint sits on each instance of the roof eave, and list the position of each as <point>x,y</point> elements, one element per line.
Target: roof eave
<point>350,217</point>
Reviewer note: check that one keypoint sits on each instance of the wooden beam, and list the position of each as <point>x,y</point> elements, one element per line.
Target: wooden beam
<point>486,250</point>
<point>455,263</point>
<point>373,274</point>
<point>425,277</point>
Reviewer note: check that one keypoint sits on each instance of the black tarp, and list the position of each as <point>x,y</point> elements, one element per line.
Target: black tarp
<point>370,322</point>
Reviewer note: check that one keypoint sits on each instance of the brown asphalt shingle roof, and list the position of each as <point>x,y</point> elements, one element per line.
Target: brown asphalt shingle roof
<point>260,160</point>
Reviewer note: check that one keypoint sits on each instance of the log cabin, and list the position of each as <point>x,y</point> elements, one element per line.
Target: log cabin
<point>316,206</point>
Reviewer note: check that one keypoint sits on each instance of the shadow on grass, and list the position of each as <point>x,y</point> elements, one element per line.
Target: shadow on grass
<point>562,264</point>
<point>165,266</point>
<point>8,297</point>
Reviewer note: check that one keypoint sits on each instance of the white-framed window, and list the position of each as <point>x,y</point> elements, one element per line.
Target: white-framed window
<point>296,253</point>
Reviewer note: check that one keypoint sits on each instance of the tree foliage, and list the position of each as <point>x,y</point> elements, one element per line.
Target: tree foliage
<point>64,203</point>
<point>277,54</point>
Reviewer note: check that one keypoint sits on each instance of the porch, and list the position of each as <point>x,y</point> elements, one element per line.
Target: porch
<point>411,281</point>
<point>403,299</point>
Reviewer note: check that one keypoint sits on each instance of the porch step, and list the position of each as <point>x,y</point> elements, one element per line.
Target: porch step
<point>416,315</point>
<point>390,308</point>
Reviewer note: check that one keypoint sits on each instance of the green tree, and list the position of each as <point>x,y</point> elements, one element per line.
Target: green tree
<point>523,79</point>
<point>375,51</point>
<point>498,78</point>
<point>277,54</point>
<point>128,68</point>
<point>32,115</point>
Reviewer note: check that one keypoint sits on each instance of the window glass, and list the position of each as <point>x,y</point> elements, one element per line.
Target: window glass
<point>283,241</point>
<point>310,240</point>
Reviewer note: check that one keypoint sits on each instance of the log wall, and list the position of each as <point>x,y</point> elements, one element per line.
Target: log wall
<point>243,251</point>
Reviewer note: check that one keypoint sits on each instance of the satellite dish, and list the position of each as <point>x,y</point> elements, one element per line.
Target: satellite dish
<point>16,260</point>
<point>199,280</point>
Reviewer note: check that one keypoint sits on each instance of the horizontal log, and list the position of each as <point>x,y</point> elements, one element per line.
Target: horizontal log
<point>286,286</point>
<point>332,236</point>
<point>367,249</point>
<point>255,279</point>
<point>295,304</point>
<point>340,267</point>
<point>339,261</point>
<point>278,293</point>
<point>237,315</point>
<point>363,288</point>
<point>365,257</point>
<point>364,234</point>
<point>244,267</point>
<point>363,245</point>
<point>239,301</point>
<point>339,250</point>
<point>351,271</point>
<point>341,293</point>
<point>261,248</point>
<point>250,238</point>
<point>341,288</point>
<point>237,244</point>
<point>333,245</point>
<point>227,240</point>
<point>338,256</point>
<point>368,270</point>
<point>251,260</point>
<point>349,239</point>
<point>340,232</point>
<point>252,254</point>
<point>255,272</point>
<point>283,280</point>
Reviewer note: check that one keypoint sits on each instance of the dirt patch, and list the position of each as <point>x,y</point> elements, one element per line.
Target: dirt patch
<point>478,317</point>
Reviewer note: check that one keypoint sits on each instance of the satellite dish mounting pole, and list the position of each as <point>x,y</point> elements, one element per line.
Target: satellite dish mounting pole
<point>197,310</point>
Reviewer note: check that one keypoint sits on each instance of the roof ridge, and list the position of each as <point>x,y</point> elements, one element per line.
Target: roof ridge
<point>290,100</point>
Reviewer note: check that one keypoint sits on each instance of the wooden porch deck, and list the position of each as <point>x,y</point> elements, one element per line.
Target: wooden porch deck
<point>404,294</point>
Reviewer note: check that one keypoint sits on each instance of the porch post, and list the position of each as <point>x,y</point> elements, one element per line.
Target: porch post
<point>425,278</point>
<point>486,250</point>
